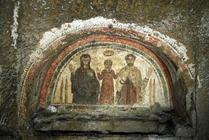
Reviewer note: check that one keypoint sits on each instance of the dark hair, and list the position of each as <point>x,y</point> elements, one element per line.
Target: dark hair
<point>130,55</point>
<point>85,56</point>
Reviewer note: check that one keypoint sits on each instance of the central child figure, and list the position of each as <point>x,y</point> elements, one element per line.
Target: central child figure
<point>107,90</point>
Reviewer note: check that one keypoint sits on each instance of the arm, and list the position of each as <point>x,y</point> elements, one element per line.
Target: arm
<point>115,76</point>
<point>121,76</point>
<point>146,79</point>
<point>144,82</point>
<point>100,75</point>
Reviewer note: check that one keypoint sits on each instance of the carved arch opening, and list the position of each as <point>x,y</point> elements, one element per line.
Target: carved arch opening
<point>42,75</point>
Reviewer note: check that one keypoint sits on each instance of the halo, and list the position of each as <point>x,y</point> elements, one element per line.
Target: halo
<point>108,53</point>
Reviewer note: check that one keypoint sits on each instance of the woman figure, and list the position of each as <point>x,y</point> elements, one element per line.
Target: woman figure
<point>107,90</point>
<point>85,86</point>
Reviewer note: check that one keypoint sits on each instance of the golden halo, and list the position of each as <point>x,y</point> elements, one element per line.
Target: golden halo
<point>108,53</point>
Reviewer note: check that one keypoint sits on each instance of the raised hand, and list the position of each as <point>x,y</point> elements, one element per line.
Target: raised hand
<point>98,70</point>
<point>149,72</point>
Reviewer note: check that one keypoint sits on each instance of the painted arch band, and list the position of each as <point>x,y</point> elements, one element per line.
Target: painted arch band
<point>109,50</point>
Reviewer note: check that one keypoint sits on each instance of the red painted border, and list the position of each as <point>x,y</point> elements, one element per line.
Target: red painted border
<point>100,38</point>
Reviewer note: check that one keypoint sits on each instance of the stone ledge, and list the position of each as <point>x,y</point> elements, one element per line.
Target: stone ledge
<point>184,131</point>
<point>103,120</point>
<point>111,126</point>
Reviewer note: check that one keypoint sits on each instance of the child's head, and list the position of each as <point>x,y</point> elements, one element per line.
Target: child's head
<point>108,64</point>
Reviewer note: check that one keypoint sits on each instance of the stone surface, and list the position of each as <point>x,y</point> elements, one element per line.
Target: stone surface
<point>183,131</point>
<point>103,120</point>
<point>185,20</point>
<point>8,63</point>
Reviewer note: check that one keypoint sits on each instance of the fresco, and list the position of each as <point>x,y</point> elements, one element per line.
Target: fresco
<point>110,74</point>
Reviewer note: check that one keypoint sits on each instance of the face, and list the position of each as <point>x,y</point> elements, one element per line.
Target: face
<point>130,61</point>
<point>108,66</point>
<point>86,61</point>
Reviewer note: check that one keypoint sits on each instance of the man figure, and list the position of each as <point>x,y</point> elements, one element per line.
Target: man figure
<point>85,86</point>
<point>130,83</point>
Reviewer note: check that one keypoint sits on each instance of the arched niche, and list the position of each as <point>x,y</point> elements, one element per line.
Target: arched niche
<point>54,83</point>
<point>46,83</point>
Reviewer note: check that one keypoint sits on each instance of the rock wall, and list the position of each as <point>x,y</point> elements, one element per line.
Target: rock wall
<point>23,23</point>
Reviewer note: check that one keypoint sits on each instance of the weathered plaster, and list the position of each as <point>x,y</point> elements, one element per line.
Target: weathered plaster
<point>183,20</point>
<point>14,27</point>
<point>55,35</point>
<point>97,22</point>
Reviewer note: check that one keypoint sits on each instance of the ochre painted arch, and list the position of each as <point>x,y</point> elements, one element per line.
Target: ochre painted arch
<point>44,90</point>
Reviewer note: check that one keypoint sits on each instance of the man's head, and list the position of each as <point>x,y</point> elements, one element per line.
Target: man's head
<point>130,58</point>
<point>85,60</point>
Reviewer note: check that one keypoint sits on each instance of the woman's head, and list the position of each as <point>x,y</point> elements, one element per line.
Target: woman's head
<point>85,60</point>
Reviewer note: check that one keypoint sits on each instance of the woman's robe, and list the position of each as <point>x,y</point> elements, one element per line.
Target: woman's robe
<point>107,89</point>
<point>85,86</point>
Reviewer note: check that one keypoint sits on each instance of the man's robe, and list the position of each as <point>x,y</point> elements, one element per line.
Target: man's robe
<point>128,86</point>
